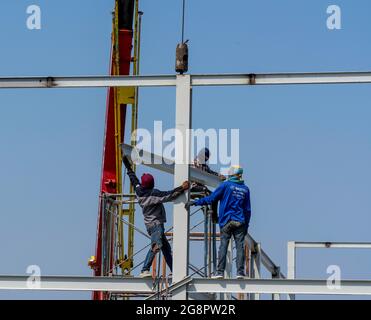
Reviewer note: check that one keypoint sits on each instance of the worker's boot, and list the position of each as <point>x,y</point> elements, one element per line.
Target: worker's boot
<point>145,274</point>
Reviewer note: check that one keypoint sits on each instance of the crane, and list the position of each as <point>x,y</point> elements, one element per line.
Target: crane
<point>111,250</point>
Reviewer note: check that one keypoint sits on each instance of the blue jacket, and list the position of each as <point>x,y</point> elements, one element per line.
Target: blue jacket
<point>234,200</point>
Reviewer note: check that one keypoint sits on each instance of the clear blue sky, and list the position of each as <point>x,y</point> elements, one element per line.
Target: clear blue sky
<point>306,150</point>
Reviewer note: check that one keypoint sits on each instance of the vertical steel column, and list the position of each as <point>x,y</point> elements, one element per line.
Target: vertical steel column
<point>252,263</point>
<point>276,275</point>
<point>206,240</point>
<point>256,266</point>
<point>291,259</point>
<point>181,173</point>
<point>214,258</point>
<point>209,239</point>
<point>291,253</point>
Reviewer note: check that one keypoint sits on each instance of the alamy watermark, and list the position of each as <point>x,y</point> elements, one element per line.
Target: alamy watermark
<point>334,280</point>
<point>172,146</point>
<point>33,21</point>
<point>334,20</point>
<point>34,280</point>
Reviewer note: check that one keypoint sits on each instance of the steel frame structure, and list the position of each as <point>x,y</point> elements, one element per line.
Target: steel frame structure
<point>183,85</point>
<point>292,246</point>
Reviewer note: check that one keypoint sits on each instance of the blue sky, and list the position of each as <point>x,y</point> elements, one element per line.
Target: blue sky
<point>306,149</point>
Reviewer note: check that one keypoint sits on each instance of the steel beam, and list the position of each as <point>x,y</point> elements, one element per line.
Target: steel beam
<point>276,275</point>
<point>166,165</point>
<point>256,267</point>
<point>293,245</point>
<point>86,82</point>
<point>183,125</point>
<point>282,78</point>
<point>265,259</point>
<point>291,259</point>
<point>334,245</point>
<point>196,80</point>
<point>291,263</point>
<point>199,285</point>
<point>282,286</point>
<point>68,283</point>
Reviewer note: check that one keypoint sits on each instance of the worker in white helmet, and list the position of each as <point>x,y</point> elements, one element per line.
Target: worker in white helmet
<point>234,217</point>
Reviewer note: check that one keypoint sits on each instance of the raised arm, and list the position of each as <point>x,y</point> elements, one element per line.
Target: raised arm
<point>157,196</point>
<point>132,176</point>
<point>214,196</point>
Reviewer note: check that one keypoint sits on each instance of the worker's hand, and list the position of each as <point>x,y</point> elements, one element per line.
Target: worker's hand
<point>126,162</point>
<point>185,185</point>
<point>189,204</point>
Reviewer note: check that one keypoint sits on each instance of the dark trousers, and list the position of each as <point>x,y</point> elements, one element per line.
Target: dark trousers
<point>158,242</point>
<point>238,230</point>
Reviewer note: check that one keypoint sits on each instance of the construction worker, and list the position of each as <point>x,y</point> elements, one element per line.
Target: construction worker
<point>201,161</point>
<point>234,217</point>
<point>151,201</point>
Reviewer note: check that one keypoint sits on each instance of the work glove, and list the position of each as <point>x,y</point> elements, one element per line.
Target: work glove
<point>126,162</point>
<point>189,204</point>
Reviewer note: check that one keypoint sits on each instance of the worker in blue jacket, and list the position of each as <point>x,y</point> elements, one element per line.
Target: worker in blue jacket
<point>234,217</point>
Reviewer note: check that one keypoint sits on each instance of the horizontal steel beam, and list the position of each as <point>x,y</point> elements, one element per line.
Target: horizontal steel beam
<point>68,283</point>
<point>282,78</point>
<point>199,285</point>
<point>196,80</point>
<point>279,286</point>
<point>334,245</point>
<point>86,82</point>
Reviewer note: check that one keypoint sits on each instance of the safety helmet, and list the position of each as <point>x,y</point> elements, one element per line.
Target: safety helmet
<point>235,170</point>
<point>147,181</point>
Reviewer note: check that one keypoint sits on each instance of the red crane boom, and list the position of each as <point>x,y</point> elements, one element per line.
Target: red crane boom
<point>121,58</point>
